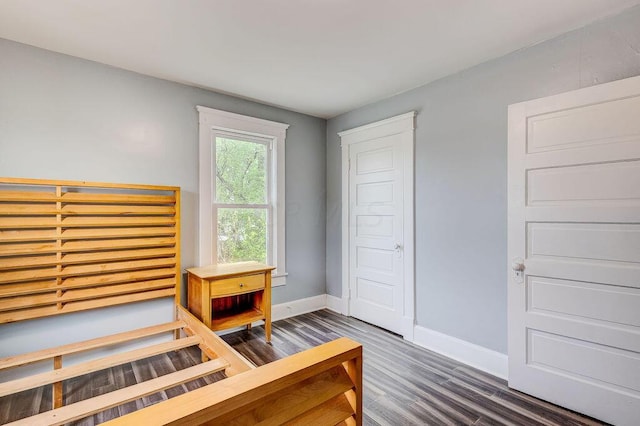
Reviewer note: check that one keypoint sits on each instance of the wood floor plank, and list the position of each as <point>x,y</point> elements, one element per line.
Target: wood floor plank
<point>550,411</point>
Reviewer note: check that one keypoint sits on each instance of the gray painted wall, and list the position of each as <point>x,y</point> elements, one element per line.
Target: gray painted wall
<point>461,170</point>
<point>68,118</point>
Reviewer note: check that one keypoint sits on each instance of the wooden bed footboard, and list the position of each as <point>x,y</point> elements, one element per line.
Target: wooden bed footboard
<point>320,386</point>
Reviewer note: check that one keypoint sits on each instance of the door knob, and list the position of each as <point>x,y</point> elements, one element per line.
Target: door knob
<point>397,248</point>
<point>518,269</point>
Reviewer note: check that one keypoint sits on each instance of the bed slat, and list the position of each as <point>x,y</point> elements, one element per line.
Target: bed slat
<point>98,364</point>
<point>83,197</point>
<point>87,345</point>
<point>23,302</point>
<point>125,243</point>
<point>24,262</point>
<point>83,234</point>
<point>37,312</point>
<point>75,234</point>
<point>27,262</point>
<point>331,412</point>
<point>118,210</point>
<point>100,403</point>
<point>85,245</point>
<point>17,196</point>
<point>70,246</point>
<point>27,222</point>
<point>76,270</point>
<point>27,209</point>
<point>9,290</point>
<point>29,235</point>
<point>77,258</point>
<point>102,222</point>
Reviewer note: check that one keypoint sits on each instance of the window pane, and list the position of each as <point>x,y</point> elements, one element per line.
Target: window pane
<point>241,172</point>
<point>242,235</point>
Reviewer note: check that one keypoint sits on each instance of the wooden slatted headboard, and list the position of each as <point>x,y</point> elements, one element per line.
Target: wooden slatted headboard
<point>70,246</point>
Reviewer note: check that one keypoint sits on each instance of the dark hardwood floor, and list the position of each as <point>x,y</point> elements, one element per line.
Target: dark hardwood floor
<point>403,383</point>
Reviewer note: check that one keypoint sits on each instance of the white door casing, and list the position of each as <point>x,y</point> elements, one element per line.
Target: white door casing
<point>574,250</point>
<point>378,223</point>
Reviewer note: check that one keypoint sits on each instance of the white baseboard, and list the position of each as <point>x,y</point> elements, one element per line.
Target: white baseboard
<point>336,304</point>
<point>476,356</point>
<point>408,329</point>
<point>287,310</point>
<point>298,307</point>
<point>484,359</point>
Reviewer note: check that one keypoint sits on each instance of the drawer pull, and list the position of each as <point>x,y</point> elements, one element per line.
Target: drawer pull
<point>241,285</point>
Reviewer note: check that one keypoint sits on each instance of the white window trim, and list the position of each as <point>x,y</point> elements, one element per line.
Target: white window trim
<point>212,121</point>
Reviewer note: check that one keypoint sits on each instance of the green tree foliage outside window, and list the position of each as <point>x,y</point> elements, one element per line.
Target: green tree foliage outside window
<point>241,179</point>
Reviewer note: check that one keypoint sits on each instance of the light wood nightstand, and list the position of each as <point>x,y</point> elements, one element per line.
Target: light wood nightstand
<point>231,295</point>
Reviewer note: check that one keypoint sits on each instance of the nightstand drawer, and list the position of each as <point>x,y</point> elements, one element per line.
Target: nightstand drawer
<point>237,285</point>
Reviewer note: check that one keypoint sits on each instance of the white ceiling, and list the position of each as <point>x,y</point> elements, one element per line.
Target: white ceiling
<point>320,57</point>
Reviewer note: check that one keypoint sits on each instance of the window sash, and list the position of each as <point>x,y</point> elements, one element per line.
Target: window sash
<point>242,137</point>
<point>270,230</point>
<point>270,180</point>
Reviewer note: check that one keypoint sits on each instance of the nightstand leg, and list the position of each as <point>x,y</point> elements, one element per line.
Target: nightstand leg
<point>249,327</point>
<point>266,306</point>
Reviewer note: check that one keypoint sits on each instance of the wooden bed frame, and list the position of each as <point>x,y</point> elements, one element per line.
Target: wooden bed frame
<point>76,246</point>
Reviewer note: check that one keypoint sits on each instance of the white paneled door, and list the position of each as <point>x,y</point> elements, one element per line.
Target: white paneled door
<point>574,250</point>
<point>380,224</point>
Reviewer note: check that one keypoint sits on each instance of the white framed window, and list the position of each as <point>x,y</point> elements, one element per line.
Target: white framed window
<point>241,182</point>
